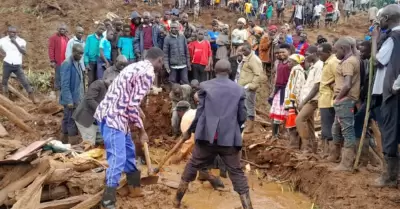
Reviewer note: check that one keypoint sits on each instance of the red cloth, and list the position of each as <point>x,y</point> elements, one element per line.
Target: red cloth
<point>147,37</point>
<point>329,7</point>
<point>291,119</point>
<point>200,52</point>
<point>165,23</point>
<point>57,47</point>
<point>133,29</point>
<point>301,48</point>
<point>282,74</point>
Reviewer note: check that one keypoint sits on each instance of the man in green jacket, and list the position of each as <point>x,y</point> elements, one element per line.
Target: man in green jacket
<point>250,79</point>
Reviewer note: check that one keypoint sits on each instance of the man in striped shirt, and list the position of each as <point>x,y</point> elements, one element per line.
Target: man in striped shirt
<point>119,110</point>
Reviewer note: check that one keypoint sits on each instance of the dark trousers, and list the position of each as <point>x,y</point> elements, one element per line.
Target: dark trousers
<point>179,76</point>
<point>57,77</point>
<point>204,154</point>
<point>390,110</point>
<point>17,70</point>
<point>92,72</point>
<point>199,72</point>
<point>327,119</point>
<point>101,68</point>
<point>68,125</point>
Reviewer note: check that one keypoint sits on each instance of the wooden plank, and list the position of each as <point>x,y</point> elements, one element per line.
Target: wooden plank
<point>16,173</point>
<point>14,108</point>
<point>28,178</point>
<point>31,197</point>
<point>64,203</point>
<point>18,94</point>
<point>15,119</point>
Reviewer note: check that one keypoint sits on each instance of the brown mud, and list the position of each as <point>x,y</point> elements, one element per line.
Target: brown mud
<point>38,19</point>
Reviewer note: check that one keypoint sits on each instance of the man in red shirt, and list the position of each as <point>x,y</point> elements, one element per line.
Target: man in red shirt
<point>201,55</point>
<point>329,13</point>
<point>135,22</point>
<point>57,47</point>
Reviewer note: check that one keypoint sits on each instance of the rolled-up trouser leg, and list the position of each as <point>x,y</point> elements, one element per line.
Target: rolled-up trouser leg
<point>344,111</point>
<point>230,156</point>
<point>250,104</point>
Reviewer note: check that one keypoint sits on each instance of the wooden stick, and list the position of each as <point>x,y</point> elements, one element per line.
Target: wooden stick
<point>15,119</point>
<point>25,180</point>
<point>14,108</point>
<point>366,119</point>
<point>64,203</point>
<point>31,197</point>
<point>19,94</point>
<point>256,165</point>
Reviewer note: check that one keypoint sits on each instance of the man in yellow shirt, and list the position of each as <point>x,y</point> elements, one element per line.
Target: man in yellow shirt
<point>247,9</point>
<point>326,94</point>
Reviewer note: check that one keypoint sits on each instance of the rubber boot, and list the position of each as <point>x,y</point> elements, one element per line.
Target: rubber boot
<point>183,186</point>
<point>109,198</point>
<point>32,97</point>
<point>325,148</point>
<point>249,127</point>
<point>246,202</point>
<point>216,182</point>
<point>64,138</point>
<point>294,140</point>
<point>74,140</point>
<point>275,131</point>
<point>334,152</point>
<point>389,177</point>
<point>133,181</point>
<point>347,162</point>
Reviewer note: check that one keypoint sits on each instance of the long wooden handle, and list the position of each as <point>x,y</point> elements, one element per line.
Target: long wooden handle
<point>147,156</point>
<point>169,154</point>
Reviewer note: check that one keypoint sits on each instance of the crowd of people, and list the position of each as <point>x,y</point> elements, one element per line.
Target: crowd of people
<point>212,77</point>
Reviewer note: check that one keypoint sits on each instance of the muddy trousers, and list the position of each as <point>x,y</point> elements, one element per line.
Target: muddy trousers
<point>327,119</point>
<point>204,154</point>
<point>250,103</point>
<point>120,153</point>
<point>305,121</point>
<point>343,126</point>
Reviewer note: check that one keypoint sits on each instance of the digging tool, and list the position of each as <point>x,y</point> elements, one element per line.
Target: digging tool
<point>366,119</point>
<point>169,154</point>
<point>151,178</point>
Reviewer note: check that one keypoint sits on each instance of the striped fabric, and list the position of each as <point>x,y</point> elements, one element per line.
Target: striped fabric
<point>121,103</point>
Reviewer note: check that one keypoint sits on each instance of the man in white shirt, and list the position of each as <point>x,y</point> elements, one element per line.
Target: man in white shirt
<point>317,13</point>
<point>309,102</point>
<point>298,14</point>
<point>14,48</point>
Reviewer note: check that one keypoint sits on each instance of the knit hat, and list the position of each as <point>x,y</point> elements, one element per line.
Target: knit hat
<point>297,57</point>
<point>272,27</point>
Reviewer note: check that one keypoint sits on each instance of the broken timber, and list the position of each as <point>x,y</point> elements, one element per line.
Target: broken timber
<point>15,119</point>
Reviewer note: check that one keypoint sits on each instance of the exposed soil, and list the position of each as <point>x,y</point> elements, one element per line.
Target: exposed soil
<point>38,19</point>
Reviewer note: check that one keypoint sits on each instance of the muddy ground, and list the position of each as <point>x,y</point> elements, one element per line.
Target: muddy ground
<point>38,19</point>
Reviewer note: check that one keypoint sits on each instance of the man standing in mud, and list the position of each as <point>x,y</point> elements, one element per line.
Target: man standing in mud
<point>386,91</point>
<point>346,93</point>
<point>220,114</point>
<point>115,116</point>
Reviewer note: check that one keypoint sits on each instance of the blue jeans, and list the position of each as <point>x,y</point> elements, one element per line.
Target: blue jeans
<point>120,153</point>
<point>68,125</point>
<point>343,126</point>
<point>179,76</point>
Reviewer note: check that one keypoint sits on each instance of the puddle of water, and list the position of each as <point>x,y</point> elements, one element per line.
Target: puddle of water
<point>263,195</point>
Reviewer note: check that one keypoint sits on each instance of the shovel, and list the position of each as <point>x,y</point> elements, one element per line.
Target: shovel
<point>169,154</point>
<point>151,178</point>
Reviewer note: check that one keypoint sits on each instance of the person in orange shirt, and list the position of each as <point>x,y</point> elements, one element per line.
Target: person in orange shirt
<point>266,52</point>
